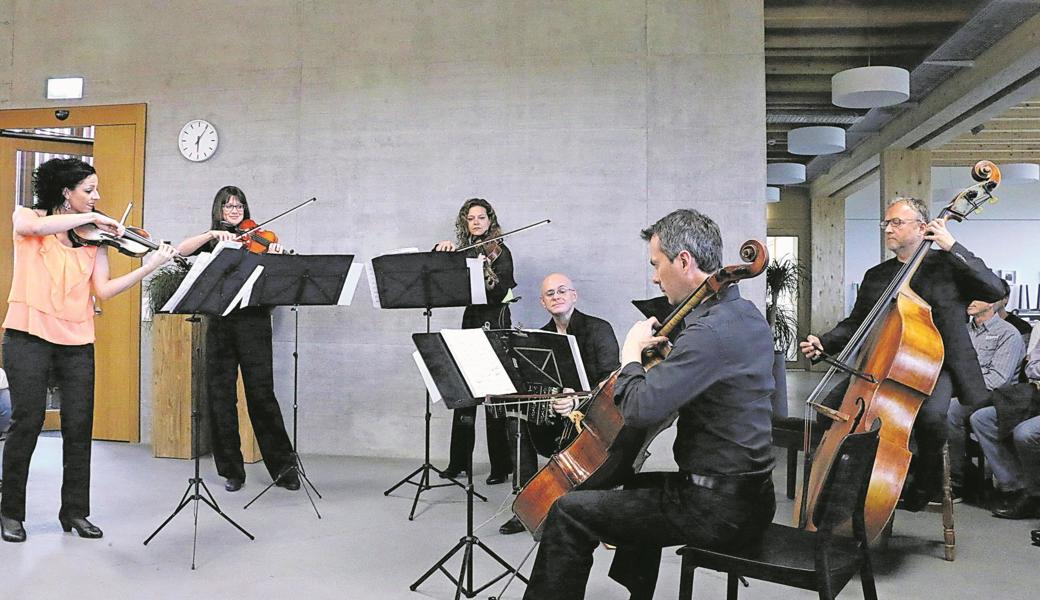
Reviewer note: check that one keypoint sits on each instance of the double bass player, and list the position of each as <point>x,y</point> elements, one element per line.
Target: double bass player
<point>948,280</point>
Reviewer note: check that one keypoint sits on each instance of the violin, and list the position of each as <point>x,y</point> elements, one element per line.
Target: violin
<point>135,241</point>
<point>253,238</point>
<point>491,250</point>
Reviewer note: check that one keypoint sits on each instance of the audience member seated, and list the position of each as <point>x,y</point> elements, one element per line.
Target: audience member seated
<point>1000,349</point>
<point>1009,434</point>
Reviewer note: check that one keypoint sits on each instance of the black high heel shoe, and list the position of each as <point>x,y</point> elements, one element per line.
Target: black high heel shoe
<point>83,527</point>
<point>12,529</point>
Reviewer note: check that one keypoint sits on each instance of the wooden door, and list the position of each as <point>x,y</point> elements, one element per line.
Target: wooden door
<point>118,153</point>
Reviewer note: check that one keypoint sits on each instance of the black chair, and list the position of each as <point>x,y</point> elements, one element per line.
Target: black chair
<point>822,560</point>
<point>789,432</point>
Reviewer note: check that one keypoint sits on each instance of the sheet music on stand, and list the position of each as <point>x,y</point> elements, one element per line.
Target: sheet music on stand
<point>231,277</point>
<point>390,264</point>
<point>462,366</point>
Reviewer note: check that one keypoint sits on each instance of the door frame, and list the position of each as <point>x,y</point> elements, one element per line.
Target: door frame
<point>82,116</point>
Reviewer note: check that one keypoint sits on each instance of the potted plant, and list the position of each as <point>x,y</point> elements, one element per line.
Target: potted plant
<point>783,277</point>
<point>162,284</point>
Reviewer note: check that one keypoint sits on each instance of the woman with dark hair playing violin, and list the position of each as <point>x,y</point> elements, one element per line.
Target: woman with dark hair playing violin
<point>241,340</point>
<point>477,221</point>
<point>50,325</point>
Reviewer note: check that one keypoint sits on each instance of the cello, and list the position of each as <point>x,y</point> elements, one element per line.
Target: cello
<point>605,449</point>
<point>898,355</point>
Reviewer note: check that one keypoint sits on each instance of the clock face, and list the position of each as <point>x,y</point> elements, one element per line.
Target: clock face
<point>197,140</point>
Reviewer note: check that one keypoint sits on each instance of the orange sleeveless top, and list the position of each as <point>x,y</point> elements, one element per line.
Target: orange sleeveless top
<point>50,290</point>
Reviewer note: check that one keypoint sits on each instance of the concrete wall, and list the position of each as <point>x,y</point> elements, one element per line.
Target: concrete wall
<point>1000,234</point>
<point>602,115</point>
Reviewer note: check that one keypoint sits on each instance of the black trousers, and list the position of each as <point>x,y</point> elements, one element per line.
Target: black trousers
<point>27,361</point>
<point>243,339</point>
<point>930,432</point>
<point>655,510</point>
<point>463,421</point>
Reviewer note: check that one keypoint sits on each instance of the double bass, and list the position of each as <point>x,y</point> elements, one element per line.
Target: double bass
<point>604,449</point>
<point>894,359</point>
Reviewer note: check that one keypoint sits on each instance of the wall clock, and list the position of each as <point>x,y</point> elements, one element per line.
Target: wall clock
<point>197,140</point>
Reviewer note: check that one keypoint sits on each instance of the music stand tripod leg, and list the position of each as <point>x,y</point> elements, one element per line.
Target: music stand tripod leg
<point>464,583</point>
<point>297,465</point>
<point>191,494</point>
<point>424,479</point>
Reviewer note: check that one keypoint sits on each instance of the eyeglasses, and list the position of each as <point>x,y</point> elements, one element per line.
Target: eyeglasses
<point>234,207</point>
<point>897,223</point>
<point>550,294</point>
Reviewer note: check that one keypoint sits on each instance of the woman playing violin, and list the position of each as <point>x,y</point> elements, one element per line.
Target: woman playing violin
<point>50,325</point>
<point>241,340</point>
<point>477,221</point>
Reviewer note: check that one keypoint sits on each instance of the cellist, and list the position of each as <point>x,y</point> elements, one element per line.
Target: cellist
<point>949,279</point>
<point>719,378</point>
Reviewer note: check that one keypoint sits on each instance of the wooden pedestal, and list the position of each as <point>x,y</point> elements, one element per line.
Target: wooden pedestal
<point>179,362</point>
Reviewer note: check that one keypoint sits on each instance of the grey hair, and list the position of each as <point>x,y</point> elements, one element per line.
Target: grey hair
<point>687,229</point>
<point>916,205</point>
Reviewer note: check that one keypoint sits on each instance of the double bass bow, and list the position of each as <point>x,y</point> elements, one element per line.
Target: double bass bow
<point>894,359</point>
<point>605,448</point>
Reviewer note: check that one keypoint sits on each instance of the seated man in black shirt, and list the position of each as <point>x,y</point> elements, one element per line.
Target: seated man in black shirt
<point>718,377</point>
<point>599,355</point>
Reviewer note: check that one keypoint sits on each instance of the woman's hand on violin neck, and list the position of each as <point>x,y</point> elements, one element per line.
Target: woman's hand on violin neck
<point>108,224</point>
<point>640,337</point>
<point>444,246</point>
<point>161,256</point>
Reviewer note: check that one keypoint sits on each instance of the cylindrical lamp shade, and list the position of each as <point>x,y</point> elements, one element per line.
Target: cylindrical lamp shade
<point>823,139</point>
<point>785,173</point>
<point>870,87</point>
<point>1020,173</point>
<point>772,194</point>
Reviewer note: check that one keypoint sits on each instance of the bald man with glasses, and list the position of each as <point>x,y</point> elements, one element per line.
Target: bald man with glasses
<point>600,355</point>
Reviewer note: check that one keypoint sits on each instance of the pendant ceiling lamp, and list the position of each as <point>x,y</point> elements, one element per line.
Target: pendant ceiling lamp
<point>1020,173</point>
<point>772,194</point>
<point>822,139</point>
<point>870,87</point>
<point>785,173</point>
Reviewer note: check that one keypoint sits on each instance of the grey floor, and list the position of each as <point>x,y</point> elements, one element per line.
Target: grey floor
<point>365,547</point>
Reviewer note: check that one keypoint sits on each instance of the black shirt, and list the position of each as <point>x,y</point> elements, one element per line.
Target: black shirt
<point>596,343</point>
<point>719,377</point>
<point>948,281</point>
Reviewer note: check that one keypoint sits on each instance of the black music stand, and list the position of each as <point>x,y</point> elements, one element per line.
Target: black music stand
<point>300,280</point>
<point>451,386</point>
<point>208,291</point>
<point>425,280</point>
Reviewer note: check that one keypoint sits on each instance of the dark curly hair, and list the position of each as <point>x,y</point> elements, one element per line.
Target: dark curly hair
<point>223,195</point>
<point>52,178</point>
<point>462,235</point>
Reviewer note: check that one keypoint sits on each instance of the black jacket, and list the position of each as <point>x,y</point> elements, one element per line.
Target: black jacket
<point>596,342</point>
<point>948,281</point>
